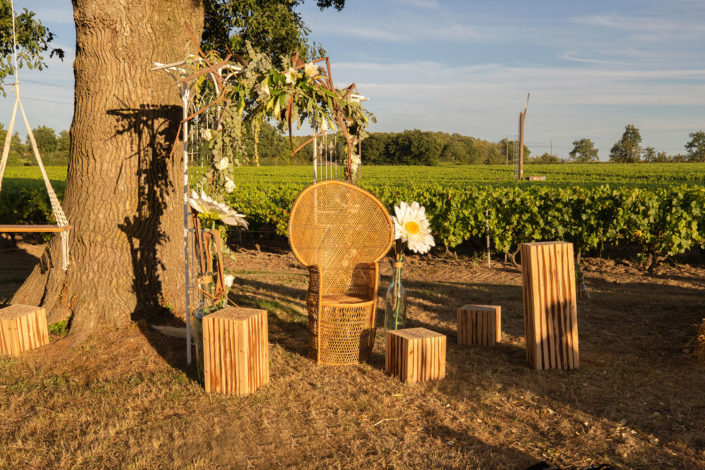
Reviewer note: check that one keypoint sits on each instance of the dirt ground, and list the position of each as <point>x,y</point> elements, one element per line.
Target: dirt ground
<point>127,399</point>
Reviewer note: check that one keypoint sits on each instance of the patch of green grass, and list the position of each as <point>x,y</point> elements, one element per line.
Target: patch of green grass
<point>59,328</point>
<point>272,306</point>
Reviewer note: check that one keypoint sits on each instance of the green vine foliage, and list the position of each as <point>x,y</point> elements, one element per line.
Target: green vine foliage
<point>661,222</point>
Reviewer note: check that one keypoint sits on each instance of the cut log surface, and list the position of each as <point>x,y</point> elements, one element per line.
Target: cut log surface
<point>479,325</point>
<point>235,351</point>
<point>22,328</point>
<point>415,355</point>
<point>550,307</point>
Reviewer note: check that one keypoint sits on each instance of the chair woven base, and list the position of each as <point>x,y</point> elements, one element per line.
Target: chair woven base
<point>345,334</point>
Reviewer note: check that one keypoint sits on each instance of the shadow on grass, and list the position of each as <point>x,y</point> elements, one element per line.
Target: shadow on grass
<point>631,370</point>
<point>499,455</point>
<point>16,266</point>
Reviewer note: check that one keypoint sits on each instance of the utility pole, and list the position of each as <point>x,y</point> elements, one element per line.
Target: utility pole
<point>522,116</point>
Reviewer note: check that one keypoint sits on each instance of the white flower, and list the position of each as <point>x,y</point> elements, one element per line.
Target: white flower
<point>264,88</point>
<point>211,209</point>
<point>411,225</point>
<point>229,185</point>
<point>291,75</point>
<point>222,164</point>
<point>311,70</point>
<point>355,162</point>
<point>207,135</point>
<point>228,281</point>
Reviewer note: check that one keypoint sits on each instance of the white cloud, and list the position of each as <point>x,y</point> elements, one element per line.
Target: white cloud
<point>573,56</point>
<point>656,26</point>
<point>428,4</point>
<point>567,103</point>
<point>362,32</point>
<point>406,28</point>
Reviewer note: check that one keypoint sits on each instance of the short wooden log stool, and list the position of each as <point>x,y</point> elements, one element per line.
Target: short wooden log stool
<point>235,351</point>
<point>22,328</point>
<point>415,354</point>
<point>479,325</point>
<point>550,308</point>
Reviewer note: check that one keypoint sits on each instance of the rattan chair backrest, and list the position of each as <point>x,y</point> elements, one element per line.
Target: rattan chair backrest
<point>337,225</point>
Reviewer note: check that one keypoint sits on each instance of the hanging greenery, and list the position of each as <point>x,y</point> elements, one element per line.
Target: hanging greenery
<point>247,93</point>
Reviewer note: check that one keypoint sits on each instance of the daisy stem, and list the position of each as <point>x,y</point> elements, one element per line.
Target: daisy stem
<point>399,252</point>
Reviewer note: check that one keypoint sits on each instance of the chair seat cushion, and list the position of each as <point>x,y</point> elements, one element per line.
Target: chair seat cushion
<point>343,299</point>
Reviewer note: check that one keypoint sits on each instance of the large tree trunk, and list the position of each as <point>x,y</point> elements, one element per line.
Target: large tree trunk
<point>123,191</point>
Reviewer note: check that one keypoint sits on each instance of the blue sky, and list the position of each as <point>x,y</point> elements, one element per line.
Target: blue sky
<point>466,67</point>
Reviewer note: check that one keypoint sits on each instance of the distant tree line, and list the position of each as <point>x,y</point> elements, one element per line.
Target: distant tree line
<point>53,147</point>
<point>628,149</point>
<point>410,147</point>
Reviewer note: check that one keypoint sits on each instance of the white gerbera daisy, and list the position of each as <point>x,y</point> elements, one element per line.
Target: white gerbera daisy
<point>213,210</point>
<point>411,225</point>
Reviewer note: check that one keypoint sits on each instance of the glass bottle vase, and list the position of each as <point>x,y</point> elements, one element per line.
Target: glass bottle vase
<point>395,303</point>
<point>198,339</point>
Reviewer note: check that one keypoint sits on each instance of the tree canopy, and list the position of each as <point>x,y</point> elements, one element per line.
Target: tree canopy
<point>584,151</point>
<point>696,146</point>
<point>628,148</point>
<point>272,27</point>
<point>33,40</point>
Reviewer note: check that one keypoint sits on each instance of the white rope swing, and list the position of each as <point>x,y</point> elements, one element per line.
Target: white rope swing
<point>62,223</point>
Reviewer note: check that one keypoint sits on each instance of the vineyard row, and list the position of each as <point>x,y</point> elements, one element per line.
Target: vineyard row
<point>661,221</point>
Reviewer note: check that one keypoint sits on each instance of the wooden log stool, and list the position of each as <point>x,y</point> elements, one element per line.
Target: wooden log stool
<point>479,325</point>
<point>22,328</point>
<point>415,354</point>
<point>235,350</point>
<point>550,308</point>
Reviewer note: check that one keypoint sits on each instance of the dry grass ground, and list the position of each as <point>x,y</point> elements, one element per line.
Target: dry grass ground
<point>126,399</point>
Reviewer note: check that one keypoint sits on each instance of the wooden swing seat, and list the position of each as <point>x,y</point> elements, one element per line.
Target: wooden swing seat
<point>33,228</point>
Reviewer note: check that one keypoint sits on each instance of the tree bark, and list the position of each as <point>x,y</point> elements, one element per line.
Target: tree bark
<point>123,189</point>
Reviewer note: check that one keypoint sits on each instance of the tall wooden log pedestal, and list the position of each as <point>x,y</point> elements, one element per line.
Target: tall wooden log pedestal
<point>22,328</point>
<point>415,355</point>
<point>550,308</point>
<point>479,325</point>
<point>235,351</point>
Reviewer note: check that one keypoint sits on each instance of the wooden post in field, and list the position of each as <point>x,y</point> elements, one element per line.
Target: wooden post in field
<point>521,145</point>
<point>522,116</point>
<point>550,307</point>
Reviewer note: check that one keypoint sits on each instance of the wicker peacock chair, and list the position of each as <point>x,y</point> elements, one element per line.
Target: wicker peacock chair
<point>340,232</point>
